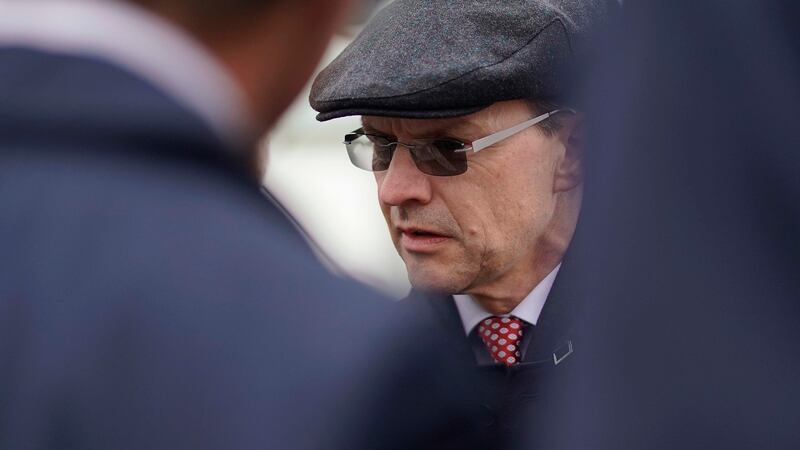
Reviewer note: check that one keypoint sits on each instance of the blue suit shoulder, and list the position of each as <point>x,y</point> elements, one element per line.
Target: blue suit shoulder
<point>152,298</point>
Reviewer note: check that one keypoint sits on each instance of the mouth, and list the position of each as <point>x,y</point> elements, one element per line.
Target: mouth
<point>420,240</point>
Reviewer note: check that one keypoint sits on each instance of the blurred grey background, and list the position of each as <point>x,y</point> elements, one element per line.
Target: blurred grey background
<point>309,172</point>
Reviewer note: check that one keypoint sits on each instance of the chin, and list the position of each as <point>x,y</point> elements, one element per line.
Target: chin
<point>432,280</point>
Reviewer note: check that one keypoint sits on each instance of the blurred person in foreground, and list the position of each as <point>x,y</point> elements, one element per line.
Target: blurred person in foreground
<point>477,158</point>
<point>692,227</point>
<point>150,297</point>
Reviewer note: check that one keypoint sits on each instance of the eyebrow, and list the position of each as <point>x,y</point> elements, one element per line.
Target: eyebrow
<point>372,130</point>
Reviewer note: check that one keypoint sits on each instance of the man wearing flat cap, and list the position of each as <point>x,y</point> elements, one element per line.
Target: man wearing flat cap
<point>477,158</point>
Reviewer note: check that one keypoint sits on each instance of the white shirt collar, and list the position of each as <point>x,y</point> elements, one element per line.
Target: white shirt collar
<point>138,41</point>
<point>472,313</point>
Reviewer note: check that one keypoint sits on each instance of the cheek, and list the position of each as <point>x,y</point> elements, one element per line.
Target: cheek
<point>466,205</point>
<point>471,200</point>
<point>515,211</point>
<point>526,190</point>
<point>477,218</point>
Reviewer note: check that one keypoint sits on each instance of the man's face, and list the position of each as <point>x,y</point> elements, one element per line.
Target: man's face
<point>461,233</point>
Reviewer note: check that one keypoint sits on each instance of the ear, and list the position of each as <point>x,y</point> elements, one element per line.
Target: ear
<point>569,171</point>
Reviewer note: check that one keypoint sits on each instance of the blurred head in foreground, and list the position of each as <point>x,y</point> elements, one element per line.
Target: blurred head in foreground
<point>266,45</point>
<point>150,296</point>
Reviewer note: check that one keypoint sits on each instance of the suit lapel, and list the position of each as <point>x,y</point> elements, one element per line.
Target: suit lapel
<point>554,328</point>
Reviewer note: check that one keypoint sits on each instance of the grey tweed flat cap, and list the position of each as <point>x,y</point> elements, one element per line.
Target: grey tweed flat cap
<point>446,58</point>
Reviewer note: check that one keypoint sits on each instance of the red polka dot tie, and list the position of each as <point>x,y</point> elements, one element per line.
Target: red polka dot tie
<point>502,336</point>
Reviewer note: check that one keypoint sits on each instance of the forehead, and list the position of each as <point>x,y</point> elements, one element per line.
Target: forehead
<point>486,121</point>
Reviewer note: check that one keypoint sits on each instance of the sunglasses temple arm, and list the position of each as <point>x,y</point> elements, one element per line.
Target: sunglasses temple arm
<point>492,139</point>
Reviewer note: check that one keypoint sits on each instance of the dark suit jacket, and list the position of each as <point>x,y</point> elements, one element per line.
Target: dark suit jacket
<point>507,399</point>
<point>151,298</point>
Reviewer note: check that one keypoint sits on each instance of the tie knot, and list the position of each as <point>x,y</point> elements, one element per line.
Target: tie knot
<point>502,336</point>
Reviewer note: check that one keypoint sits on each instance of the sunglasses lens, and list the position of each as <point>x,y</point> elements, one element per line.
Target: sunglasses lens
<point>436,157</point>
<point>368,152</point>
<point>440,158</point>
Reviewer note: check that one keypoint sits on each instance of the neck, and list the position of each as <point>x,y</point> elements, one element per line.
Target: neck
<point>506,293</point>
<point>503,294</point>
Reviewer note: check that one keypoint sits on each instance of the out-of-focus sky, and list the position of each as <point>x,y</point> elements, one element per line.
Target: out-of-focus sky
<point>308,170</point>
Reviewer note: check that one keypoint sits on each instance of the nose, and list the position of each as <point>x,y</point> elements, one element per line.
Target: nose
<point>402,182</point>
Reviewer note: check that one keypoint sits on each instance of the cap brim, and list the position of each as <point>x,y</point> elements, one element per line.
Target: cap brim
<point>434,114</point>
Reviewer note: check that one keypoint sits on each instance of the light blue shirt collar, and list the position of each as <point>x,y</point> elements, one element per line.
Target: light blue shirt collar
<point>472,313</point>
